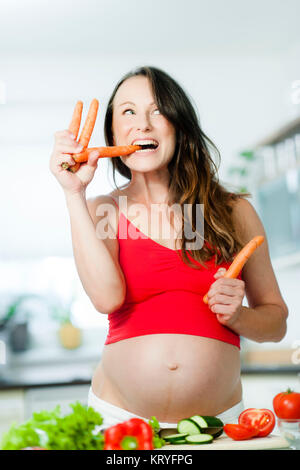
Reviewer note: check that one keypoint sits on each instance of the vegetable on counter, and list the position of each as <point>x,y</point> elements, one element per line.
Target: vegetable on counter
<point>240,432</point>
<point>253,422</point>
<point>262,419</point>
<point>134,434</point>
<point>51,431</point>
<point>157,440</point>
<point>287,405</point>
<point>196,430</point>
<point>240,259</point>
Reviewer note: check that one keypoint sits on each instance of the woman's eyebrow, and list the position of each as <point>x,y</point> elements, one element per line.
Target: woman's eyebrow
<point>130,102</point>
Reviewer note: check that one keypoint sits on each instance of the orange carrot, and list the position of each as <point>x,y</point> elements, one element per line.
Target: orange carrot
<point>114,151</point>
<point>86,131</point>
<point>89,124</point>
<point>240,259</point>
<point>74,128</point>
<point>76,119</point>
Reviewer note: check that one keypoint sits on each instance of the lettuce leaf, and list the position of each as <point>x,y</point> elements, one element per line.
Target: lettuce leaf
<point>50,430</point>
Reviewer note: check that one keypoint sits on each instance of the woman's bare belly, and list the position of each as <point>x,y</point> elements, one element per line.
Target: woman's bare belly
<point>169,376</point>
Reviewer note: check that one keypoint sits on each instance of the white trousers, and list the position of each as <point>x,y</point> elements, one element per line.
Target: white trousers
<point>112,414</point>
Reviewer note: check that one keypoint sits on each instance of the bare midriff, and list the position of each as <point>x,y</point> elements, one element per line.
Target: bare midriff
<point>170,376</point>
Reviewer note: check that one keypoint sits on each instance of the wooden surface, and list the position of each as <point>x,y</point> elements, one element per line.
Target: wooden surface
<point>225,443</point>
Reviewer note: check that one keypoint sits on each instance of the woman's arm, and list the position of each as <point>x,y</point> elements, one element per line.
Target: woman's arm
<point>265,318</point>
<point>96,259</point>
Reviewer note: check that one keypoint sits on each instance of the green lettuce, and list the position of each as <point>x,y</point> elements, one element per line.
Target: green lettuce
<point>50,430</point>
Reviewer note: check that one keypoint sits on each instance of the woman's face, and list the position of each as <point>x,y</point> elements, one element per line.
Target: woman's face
<point>136,117</point>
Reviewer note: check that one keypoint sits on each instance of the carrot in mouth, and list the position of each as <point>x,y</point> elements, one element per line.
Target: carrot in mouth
<point>113,151</point>
<point>240,259</point>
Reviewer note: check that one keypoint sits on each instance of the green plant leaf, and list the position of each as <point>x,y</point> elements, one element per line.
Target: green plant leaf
<point>248,155</point>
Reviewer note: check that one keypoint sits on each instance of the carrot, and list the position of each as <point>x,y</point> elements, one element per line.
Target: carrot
<point>114,151</point>
<point>89,124</point>
<point>87,128</point>
<point>74,128</point>
<point>76,119</point>
<point>240,259</point>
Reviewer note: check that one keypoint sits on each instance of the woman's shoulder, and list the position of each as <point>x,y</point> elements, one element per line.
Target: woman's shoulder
<point>245,219</point>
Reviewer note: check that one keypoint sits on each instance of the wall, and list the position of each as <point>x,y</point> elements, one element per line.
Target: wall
<point>239,99</point>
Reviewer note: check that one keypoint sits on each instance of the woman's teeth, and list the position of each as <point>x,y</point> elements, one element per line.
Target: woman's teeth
<point>146,150</point>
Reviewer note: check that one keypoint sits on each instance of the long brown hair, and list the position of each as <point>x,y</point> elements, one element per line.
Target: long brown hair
<point>193,173</point>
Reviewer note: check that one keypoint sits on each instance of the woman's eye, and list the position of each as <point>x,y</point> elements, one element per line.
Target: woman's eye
<point>132,110</point>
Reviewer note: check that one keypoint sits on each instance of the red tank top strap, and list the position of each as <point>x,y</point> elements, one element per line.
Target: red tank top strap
<point>115,201</point>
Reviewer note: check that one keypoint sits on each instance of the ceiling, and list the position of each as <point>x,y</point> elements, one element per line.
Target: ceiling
<point>159,26</point>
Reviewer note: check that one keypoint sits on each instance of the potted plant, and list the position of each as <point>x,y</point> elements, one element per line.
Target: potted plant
<point>69,335</point>
<point>243,170</point>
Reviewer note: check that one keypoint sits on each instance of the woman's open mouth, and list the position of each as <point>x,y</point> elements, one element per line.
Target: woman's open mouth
<point>147,148</point>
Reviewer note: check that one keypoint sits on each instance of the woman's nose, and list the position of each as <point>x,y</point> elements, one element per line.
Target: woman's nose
<point>144,123</point>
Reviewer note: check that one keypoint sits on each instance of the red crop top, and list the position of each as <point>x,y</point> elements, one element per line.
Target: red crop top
<point>163,294</point>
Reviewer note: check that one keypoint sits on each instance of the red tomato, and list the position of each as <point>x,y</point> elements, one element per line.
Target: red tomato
<point>287,405</point>
<point>262,419</point>
<point>240,432</point>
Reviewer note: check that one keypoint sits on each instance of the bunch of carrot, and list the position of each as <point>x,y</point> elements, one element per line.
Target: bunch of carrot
<point>85,136</point>
<point>240,259</point>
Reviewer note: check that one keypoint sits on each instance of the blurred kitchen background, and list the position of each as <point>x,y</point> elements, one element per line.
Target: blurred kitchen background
<point>239,63</point>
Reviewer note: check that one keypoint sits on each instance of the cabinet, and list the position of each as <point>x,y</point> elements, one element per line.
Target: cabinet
<point>11,408</point>
<point>277,189</point>
<point>46,398</point>
<point>18,405</point>
<point>279,207</point>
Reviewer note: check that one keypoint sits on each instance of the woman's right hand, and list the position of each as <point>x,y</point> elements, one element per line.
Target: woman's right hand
<point>64,147</point>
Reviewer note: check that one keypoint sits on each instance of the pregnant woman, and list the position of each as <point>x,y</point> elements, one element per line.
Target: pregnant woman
<point>167,353</point>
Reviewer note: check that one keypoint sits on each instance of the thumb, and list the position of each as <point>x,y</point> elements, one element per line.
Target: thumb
<point>93,159</point>
<point>220,273</point>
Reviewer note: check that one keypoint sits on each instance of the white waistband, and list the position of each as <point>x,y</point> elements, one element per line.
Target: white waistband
<point>113,414</point>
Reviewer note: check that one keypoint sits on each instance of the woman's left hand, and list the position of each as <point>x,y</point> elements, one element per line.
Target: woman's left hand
<point>225,298</point>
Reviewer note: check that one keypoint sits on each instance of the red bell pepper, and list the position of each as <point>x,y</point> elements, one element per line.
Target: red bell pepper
<point>134,434</point>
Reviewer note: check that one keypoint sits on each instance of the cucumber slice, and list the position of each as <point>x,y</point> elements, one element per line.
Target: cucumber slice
<point>215,432</point>
<point>187,426</point>
<point>176,437</point>
<point>199,420</point>
<point>199,439</point>
<point>212,422</point>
